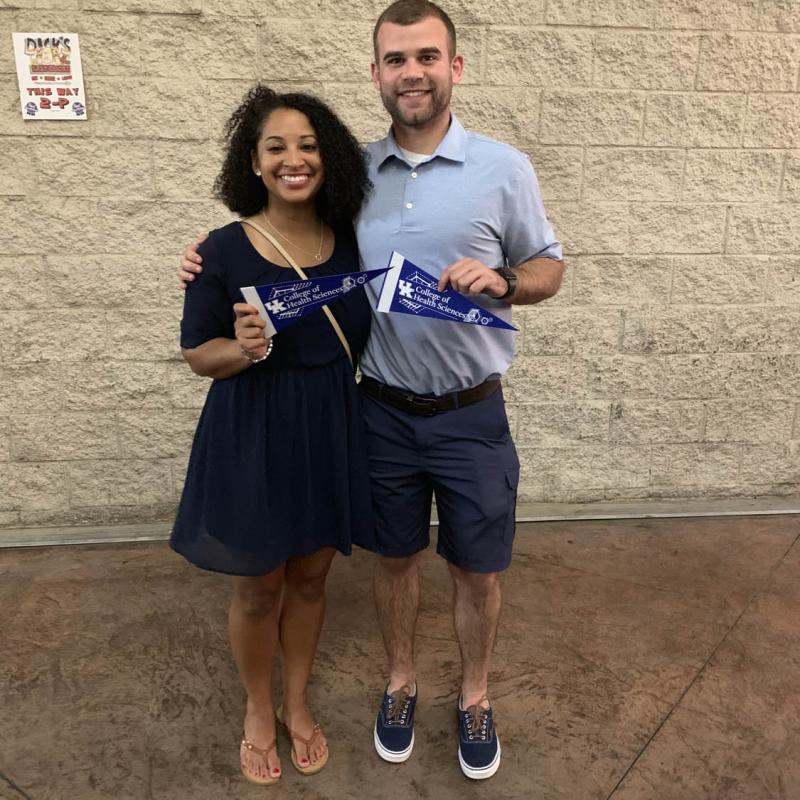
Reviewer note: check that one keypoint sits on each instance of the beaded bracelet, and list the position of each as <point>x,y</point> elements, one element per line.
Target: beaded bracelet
<point>258,360</point>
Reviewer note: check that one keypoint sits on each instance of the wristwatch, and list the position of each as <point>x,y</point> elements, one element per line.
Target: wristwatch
<point>510,278</point>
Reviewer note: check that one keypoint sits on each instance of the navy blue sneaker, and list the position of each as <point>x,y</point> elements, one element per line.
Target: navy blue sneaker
<point>394,727</point>
<point>478,745</point>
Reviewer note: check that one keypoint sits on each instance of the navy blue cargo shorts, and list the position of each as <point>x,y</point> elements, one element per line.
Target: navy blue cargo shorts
<point>466,458</point>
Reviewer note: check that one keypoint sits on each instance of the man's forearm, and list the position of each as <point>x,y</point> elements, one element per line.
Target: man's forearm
<point>537,280</point>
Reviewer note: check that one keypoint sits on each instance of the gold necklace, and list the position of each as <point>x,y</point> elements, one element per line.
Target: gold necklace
<point>316,256</point>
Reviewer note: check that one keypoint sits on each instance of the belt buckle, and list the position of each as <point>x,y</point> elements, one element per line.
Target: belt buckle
<point>424,406</point>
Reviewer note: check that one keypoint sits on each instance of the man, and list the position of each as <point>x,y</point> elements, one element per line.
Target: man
<point>462,207</point>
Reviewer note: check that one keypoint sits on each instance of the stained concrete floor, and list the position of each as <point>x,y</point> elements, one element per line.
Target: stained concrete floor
<point>637,660</point>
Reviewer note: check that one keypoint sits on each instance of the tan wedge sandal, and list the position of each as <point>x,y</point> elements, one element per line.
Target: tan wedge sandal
<point>262,752</point>
<point>310,769</point>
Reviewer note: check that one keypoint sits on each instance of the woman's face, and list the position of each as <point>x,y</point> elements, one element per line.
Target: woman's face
<point>288,157</point>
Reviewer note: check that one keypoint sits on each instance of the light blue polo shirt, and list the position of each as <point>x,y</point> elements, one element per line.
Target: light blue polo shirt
<point>474,197</point>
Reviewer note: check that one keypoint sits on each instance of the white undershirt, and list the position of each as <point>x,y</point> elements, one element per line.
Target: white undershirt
<point>415,159</point>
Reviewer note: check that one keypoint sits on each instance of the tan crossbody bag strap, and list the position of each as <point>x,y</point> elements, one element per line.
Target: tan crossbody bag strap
<point>291,262</point>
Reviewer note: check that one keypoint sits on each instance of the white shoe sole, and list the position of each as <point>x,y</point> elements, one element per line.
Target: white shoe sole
<point>483,772</point>
<point>391,755</point>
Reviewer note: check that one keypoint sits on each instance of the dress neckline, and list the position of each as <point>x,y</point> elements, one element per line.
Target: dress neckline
<point>311,268</point>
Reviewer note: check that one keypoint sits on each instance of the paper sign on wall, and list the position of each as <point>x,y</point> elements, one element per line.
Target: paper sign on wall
<point>49,75</point>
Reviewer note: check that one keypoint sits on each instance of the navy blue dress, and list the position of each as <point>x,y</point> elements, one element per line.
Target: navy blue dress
<point>278,467</point>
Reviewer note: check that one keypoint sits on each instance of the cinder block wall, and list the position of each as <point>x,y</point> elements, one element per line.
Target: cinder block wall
<point>666,135</point>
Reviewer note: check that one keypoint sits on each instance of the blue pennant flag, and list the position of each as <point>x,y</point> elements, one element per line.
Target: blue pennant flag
<point>281,304</point>
<point>407,289</point>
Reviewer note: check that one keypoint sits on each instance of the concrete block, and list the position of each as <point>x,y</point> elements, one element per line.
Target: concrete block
<point>5,444</point>
<point>104,281</point>
<point>671,331</point>
<point>773,120</point>
<point>595,466</point>
<point>146,334</point>
<point>73,337</point>
<point>33,487</point>
<point>562,424</point>
<point>61,221</point>
<point>63,436</point>
<point>116,169</point>
<point>186,170</point>
<point>591,117</point>
<point>696,465</point>
<point>765,229</point>
<point>156,434</point>
<point>718,280</point>
<point>771,463</point>
<point>790,190</point>
<point>113,385</point>
<point>17,172</point>
<point>133,110</point>
<point>783,280</point>
<point>611,13</point>
<point>748,62</point>
<point>676,228</point>
<point>621,280</point>
<point>708,15</point>
<point>657,422</point>
<point>774,329</point>
<point>536,378</point>
<point>144,6</point>
<point>510,114</point>
<point>620,174</point>
<point>591,227</point>
<point>694,120</point>
<point>156,227</point>
<point>640,60</point>
<point>24,284</point>
<point>213,48</point>
<point>617,376</point>
<point>331,51</point>
<point>546,58</point>
<point>731,175</point>
<point>559,170</point>
<point>31,387</point>
<point>563,331</point>
<point>780,15</point>
<point>740,420</point>
<point>359,107</point>
<point>186,390</point>
<point>133,482</point>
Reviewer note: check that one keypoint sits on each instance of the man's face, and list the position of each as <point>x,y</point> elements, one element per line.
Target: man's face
<point>414,71</point>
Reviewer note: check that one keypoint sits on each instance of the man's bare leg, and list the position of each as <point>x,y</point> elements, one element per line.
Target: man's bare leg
<point>396,585</point>
<point>476,611</point>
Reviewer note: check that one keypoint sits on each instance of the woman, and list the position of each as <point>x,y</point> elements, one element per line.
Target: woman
<point>277,479</point>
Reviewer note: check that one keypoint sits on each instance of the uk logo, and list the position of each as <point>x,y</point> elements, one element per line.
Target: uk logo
<point>275,306</point>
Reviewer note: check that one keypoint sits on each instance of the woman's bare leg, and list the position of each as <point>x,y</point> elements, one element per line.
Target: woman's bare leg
<point>253,629</point>
<point>300,624</point>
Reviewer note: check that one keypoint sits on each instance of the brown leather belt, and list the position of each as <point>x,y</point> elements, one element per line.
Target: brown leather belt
<point>426,406</point>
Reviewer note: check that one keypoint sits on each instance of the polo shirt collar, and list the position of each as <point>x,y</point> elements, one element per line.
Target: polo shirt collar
<point>453,147</point>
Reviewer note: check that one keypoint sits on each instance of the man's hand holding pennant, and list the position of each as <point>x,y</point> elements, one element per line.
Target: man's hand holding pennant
<point>408,289</point>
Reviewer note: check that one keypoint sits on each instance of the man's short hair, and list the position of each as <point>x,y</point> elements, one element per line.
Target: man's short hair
<point>407,12</point>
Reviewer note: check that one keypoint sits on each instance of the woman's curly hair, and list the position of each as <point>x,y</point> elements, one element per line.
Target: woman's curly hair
<point>345,184</point>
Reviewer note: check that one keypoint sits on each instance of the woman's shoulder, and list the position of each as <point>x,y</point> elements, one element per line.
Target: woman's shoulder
<point>220,238</point>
